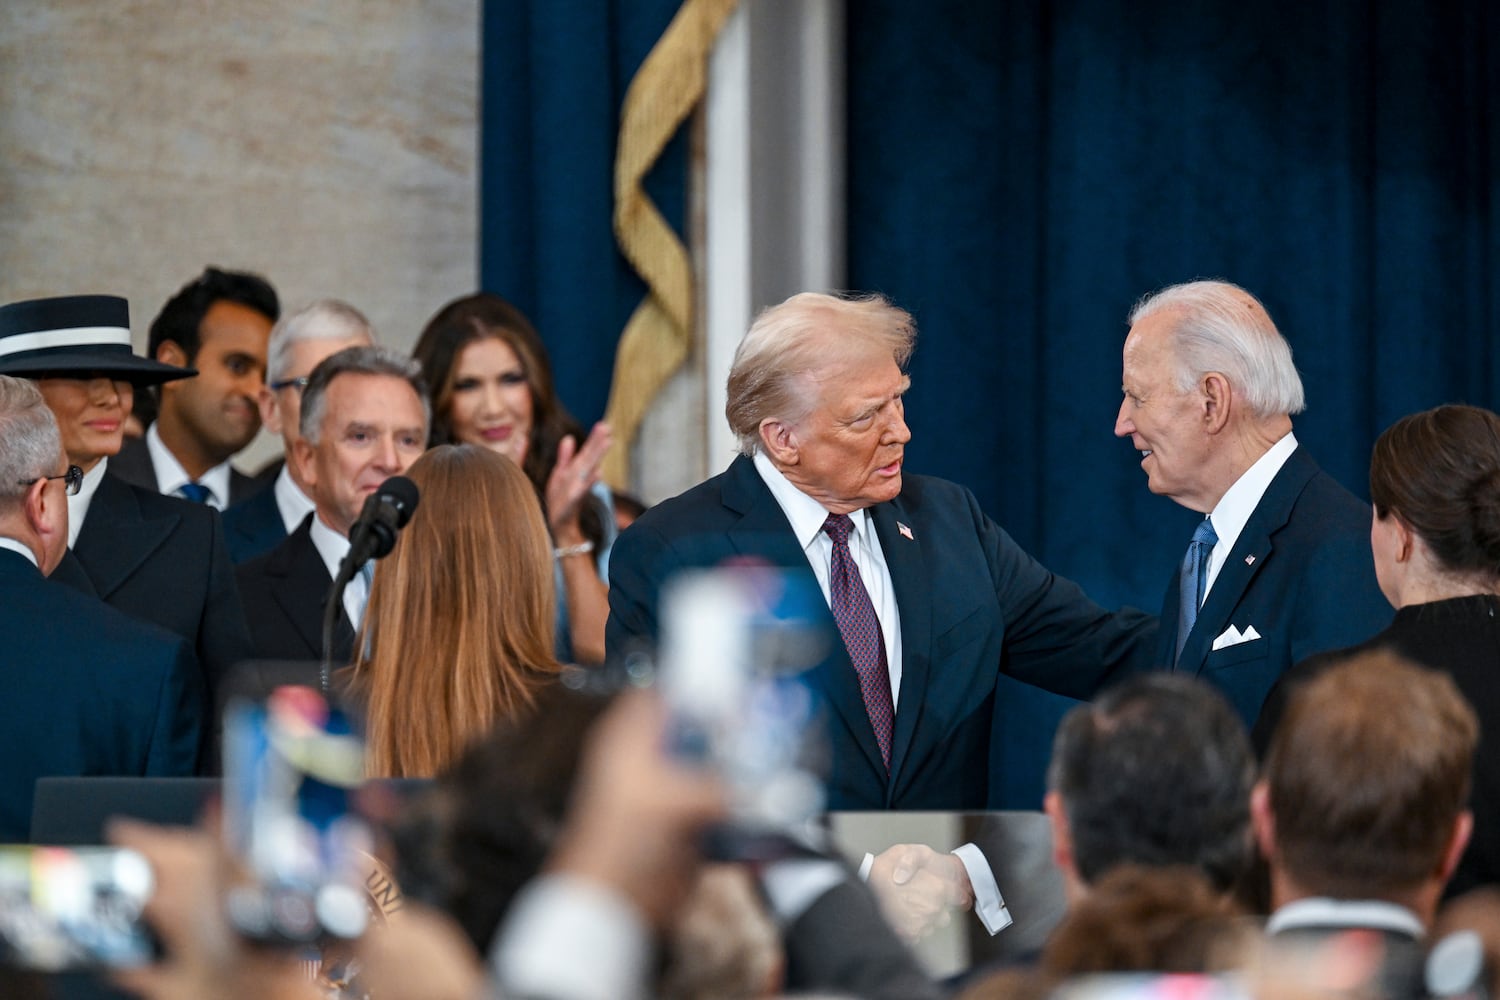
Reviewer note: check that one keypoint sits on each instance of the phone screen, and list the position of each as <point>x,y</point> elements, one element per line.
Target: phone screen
<point>293,767</point>
<point>74,907</point>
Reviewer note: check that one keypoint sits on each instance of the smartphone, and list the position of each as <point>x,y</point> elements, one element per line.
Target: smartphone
<point>67,908</point>
<point>293,767</point>
<point>738,647</point>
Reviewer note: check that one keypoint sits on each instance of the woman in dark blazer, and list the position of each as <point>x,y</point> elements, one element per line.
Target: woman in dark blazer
<point>1435,486</point>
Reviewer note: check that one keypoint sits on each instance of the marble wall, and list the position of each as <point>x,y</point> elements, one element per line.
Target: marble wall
<point>329,146</point>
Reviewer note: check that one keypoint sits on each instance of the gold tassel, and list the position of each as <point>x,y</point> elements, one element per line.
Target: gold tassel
<point>656,340</point>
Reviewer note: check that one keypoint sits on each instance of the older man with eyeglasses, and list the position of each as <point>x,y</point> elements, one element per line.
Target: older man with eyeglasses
<point>86,690</point>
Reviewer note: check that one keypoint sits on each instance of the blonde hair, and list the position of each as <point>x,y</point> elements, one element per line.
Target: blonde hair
<point>458,631</point>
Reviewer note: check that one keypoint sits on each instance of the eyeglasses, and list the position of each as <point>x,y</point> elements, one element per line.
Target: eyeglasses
<point>73,478</point>
<point>288,383</point>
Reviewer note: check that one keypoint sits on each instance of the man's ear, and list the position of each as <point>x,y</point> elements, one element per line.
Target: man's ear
<point>1262,819</point>
<point>779,439</point>
<point>302,455</point>
<point>1218,401</point>
<point>170,352</point>
<point>47,516</point>
<point>1462,829</point>
<point>270,410</point>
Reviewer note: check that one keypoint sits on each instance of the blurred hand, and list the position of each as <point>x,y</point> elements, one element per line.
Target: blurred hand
<point>421,954</point>
<point>204,959</point>
<point>918,888</point>
<point>576,472</point>
<point>637,812</point>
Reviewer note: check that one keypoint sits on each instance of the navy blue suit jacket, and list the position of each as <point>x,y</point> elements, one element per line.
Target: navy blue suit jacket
<point>972,604</point>
<point>134,465</point>
<point>1301,574</point>
<point>162,560</point>
<point>254,527</point>
<point>86,690</point>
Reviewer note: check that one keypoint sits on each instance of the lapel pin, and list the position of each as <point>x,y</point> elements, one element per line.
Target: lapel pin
<point>1249,560</point>
<point>905,531</point>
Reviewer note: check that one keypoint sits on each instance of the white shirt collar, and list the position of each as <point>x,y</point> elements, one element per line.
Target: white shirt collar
<point>332,547</point>
<point>1320,911</point>
<point>171,476</point>
<point>291,502</point>
<point>15,546</point>
<point>1234,508</point>
<point>805,513</point>
<point>78,506</point>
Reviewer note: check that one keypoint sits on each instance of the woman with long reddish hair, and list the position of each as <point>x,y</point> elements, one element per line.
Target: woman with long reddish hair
<point>458,630</point>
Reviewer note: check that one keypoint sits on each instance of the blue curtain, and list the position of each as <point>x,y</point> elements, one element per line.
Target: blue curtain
<point>554,74</point>
<point>1021,172</point>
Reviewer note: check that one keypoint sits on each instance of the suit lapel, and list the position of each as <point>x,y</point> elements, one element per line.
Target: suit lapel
<point>1249,555</point>
<point>116,537</point>
<point>303,593</point>
<point>764,534</point>
<point>911,577</point>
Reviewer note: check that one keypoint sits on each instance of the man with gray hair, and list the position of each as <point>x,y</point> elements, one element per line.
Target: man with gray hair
<point>86,689</point>
<point>298,342</point>
<point>364,418</point>
<point>1280,568</point>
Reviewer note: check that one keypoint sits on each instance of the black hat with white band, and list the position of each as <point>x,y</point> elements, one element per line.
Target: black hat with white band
<point>74,335</point>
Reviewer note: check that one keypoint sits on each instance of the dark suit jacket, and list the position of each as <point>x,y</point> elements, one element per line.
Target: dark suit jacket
<point>162,560</point>
<point>1301,574</point>
<point>972,604</point>
<point>86,691</point>
<point>133,464</point>
<point>285,592</point>
<point>254,527</point>
<point>1399,974</point>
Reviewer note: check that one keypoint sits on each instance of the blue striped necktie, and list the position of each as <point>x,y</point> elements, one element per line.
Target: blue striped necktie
<point>1194,582</point>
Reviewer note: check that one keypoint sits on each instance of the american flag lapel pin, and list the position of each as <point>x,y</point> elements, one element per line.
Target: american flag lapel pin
<point>905,531</point>
<point>1249,560</point>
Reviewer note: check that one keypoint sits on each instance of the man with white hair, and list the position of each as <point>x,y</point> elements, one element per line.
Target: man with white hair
<point>298,342</point>
<point>1280,568</point>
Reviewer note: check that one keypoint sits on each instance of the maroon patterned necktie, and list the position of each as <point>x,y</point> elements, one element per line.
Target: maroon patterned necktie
<point>861,631</point>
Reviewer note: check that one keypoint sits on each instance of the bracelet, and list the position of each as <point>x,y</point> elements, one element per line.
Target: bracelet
<point>581,549</point>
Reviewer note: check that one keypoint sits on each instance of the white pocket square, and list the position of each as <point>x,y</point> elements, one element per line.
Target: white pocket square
<point>1233,637</point>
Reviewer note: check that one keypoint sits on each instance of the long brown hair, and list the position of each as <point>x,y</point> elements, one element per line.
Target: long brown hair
<point>458,632</point>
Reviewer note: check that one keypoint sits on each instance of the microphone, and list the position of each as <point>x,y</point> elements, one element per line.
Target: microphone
<point>372,536</point>
<point>386,512</point>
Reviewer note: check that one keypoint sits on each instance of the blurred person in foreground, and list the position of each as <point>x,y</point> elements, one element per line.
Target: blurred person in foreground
<point>86,690</point>
<point>1435,483</point>
<point>492,387</point>
<point>458,629</point>
<point>1361,809</point>
<point>299,340</point>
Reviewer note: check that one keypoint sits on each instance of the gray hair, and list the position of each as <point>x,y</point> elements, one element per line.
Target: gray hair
<point>1223,328</point>
<point>366,360</point>
<point>29,440</point>
<point>325,319</point>
<point>790,342</point>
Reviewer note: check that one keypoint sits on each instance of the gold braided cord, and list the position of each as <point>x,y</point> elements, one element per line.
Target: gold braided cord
<point>656,340</point>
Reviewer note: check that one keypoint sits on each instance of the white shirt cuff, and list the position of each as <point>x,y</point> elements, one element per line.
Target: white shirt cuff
<point>555,919</point>
<point>989,905</point>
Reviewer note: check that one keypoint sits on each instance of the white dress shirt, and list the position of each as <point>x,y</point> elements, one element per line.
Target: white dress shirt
<point>171,476</point>
<point>1321,911</point>
<point>291,502</point>
<point>333,546</point>
<point>1234,508</point>
<point>78,505</point>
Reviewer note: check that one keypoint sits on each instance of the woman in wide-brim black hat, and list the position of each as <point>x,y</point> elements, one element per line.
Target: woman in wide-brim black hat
<point>77,349</point>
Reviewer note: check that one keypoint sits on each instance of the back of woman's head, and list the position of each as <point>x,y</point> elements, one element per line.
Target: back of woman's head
<point>1439,471</point>
<point>459,626</point>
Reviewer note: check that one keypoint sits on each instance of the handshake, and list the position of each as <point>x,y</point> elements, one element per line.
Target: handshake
<point>918,888</point>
